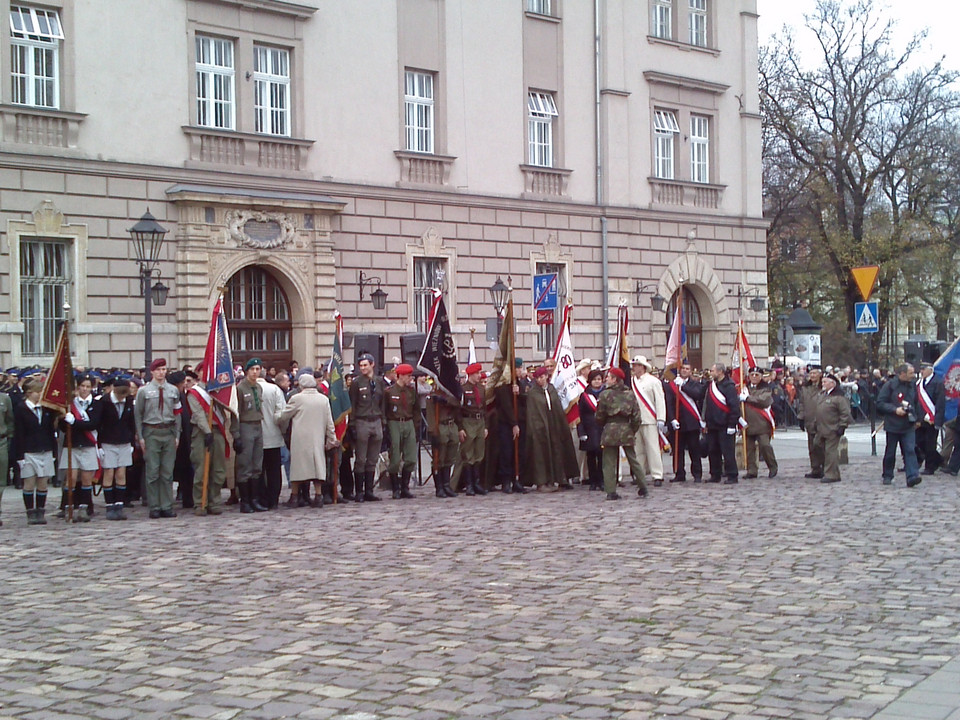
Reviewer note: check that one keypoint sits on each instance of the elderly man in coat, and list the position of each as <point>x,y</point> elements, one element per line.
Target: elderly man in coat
<point>551,458</point>
<point>312,433</point>
<point>833,419</point>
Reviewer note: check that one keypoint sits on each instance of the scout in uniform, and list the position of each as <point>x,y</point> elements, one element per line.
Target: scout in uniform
<point>401,407</point>
<point>82,460</point>
<point>35,430</point>
<point>250,448</point>
<point>445,424</point>
<point>757,399</point>
<point>156,411</point>
<point>366,417</point>
<point>473,431</point>
<point>116,434</point>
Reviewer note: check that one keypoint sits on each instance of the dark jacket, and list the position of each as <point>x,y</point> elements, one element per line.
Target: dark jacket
<point>366,398</point>
<point>618,413</point>
<point>116,429</point>
<point>934,389</point>
<point>716,417</point>
<point>693,390</point>
<point>33,435</point>
<point>549,448</point>
<point>80,428</point>
<point>760,398</point>
<point>589,429</point>
<point>892,396</point>
<point>504,400</point>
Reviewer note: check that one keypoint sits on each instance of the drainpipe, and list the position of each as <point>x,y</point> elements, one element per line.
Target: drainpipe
<point>603,218</point>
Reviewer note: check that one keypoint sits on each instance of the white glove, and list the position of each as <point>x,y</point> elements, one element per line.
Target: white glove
<point>675,424</point>
<point>743,422</point>
<point>678,381</point>
<point>100,453</point>
<point>731,431</point>
<point>69,419</point>
<point>661,426</point>
<point>744,395</point>
<point>703,425</point>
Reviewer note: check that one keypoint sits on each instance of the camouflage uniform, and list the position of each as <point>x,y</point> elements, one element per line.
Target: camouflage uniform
<point>619,415</point>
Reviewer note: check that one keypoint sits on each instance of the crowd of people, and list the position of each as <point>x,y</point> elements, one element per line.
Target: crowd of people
<point>125,434</point>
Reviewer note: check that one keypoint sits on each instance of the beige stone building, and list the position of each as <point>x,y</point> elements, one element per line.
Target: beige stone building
<point>290,145</point>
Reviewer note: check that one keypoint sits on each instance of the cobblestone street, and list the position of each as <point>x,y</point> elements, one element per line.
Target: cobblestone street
<point>772,598</point>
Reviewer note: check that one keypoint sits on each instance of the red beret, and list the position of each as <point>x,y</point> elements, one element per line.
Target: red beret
<point>474,367</point>
<point>617,373</point>
<point>158,363</point>
<point>540,371</point>
<point>404,369</point>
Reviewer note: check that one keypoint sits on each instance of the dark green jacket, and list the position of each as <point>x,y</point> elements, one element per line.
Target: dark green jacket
<point>619,415</point>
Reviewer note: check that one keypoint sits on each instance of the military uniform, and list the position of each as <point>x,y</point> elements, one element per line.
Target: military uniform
<point>619,415</point>
<point>202,438</point>
<point>445,424</point>
<point>366,418</point>
<point>810,396</point>
<point>250,454</point>
<point>472,412</point>
<point>833,419</point>
<point>759,430</point>
<point>155,411</point>
<point>401,407</point>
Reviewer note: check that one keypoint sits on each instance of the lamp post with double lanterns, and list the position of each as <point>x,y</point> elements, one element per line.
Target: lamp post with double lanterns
<point>758,302</point>
<point>148,236</point>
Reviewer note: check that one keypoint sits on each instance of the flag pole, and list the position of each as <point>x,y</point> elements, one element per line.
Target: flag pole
<point>743,352</point>
<point>206,455</point>
<point>676,412</point>
<point>70,478</point>
<point>514,391</point>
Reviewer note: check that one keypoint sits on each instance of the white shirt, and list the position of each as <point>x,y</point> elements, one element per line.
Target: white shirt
<point>272,405</point>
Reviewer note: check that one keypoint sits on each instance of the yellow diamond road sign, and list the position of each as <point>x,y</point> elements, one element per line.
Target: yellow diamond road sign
<point>865,278</point>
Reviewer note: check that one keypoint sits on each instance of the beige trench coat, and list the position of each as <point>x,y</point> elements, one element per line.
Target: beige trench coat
<point>312,432</point>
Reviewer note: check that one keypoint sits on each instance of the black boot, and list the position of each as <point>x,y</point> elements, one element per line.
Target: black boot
<point>243,489</point>
<point>466,480</point>
<point>358,481</point>
<point>405,485</point>
<point>369,479</point>
<point>395,486</point>
<point>327,492</point>
<point>446,482</point>
<point>478,487</point>
<point>438,483</point>
<point>518,488</point>
<point>256,494</point>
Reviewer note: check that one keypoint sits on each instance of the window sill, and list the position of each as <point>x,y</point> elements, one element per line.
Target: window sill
<point>419,169</point>
<point>544,182</point>
<point>45,127</point>
<point>683,193</point>
<point>267,153</point>
<point>539,16</point>
<point>654,40</point>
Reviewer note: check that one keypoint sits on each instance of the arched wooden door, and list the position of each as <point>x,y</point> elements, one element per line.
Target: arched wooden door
<point>694,324</point>
<point>258,317</point>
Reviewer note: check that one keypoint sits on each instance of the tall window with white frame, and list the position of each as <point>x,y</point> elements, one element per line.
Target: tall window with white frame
<point>418,111</point>
<point>699,149</point>
<point>428,275</point>
<point>698,23</point>
<point>547,335</point>
<point>665,131</point>
<point>271,90</point>
<point>45,280</point>
<point>542,111</point>
<point>661,23</point>
<point>540,7</point>
<point>35,37</point>
<point>216,106</point>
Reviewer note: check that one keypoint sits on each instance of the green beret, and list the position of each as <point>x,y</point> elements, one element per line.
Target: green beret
<point>518,362</point>
<point>251,363</point>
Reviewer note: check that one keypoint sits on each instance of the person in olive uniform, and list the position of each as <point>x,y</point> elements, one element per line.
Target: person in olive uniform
<point>833,419</point>
<point>401,406</point>
<point>445,423</point>
<point>366,418</point>
<point>156,411</point>
<point>512,426</point>
<point>204,439</point>
<point>474,430</point>
<point>618,413</point>
<point>810,396</point>
<point>757,399</point>
<point>250,446</point>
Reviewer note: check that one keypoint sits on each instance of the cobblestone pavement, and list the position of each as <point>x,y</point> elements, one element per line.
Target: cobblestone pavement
<point>773,598</point>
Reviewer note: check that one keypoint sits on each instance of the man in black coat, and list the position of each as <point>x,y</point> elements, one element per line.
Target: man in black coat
<point>897,403</point>
<point>721,412</point>
<point>931,403</point>
<point>686,425</point>
<point>182,467</point>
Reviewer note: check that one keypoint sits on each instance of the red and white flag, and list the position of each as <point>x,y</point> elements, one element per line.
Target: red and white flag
<point>742,357</point>
<point>565,374</point>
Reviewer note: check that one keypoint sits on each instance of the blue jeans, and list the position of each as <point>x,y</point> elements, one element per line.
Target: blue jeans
<point>285,461</point>
<point>907,441</point>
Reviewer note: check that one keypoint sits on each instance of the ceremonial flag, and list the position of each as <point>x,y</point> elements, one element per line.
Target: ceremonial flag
<point>947,367</point>
<point>677,343</point>
<point>502,372</point>
<point>338,395</point>
<point>57,393</point>
<point>565,373</point>
<point>438,359</point>
<point>471,351</point>
<point>742,359</point>
<point>216,368</point>
<point>619,355</point>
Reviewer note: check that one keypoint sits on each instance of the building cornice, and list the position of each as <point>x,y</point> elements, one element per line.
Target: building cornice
<point>686,83</point>
<point>301,10</point>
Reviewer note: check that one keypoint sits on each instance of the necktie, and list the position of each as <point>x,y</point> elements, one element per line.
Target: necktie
<point>161,400</point>
<point>546,394</point>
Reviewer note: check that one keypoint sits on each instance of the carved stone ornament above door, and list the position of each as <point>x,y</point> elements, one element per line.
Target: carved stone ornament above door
<point>262,230</point>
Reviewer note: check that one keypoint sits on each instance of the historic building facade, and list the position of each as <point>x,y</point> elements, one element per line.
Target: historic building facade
<point>289,145</point>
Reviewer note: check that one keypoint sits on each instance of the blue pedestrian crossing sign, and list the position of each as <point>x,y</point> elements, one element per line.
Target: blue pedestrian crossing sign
<point>865,316</point>
<point>545,291</point>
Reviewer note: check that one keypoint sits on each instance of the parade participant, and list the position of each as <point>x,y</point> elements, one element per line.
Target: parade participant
<point>156,412</point>
<point>590,430</point>
<point>474,432</point>
<point>208,434</point>
<point>273,405</point>
<point>833,419</point>
<point>6,436</point>
<point>653,414</point>
<point>183,468</point>
<point>721,412</point>
<point>401,407</point>
<point>618,413</point>
<point>250,450</point>
<point>312,433</point>
<point>931,405</point>
<point>116,434</point>
<point>689,424</point>
<point>757,399</point>
<point>366,417</point>
<point>898,404</point>
<point>551,458</point>
<point>583,373</point>
<point>809,399</point>
<point>82,461</point>
<point>445,423</point>
<point>35,430</point>
<point>512,425</point>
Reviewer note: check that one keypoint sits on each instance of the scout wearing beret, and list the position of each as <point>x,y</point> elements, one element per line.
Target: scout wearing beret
<point>401,408</point>
<point>155,411</point>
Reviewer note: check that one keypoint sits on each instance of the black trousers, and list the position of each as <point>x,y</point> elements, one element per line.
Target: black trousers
<point>927,455</point>
<point>723,454</point>
<point>595,467</point>
<point>505,452</point>
<point>688,443</point>
<point>272,476</point>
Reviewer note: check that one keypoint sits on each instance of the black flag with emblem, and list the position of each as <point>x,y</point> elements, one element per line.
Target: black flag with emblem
<point>438,359</point>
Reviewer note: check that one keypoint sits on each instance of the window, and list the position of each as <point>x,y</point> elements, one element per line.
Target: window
<point>661,24</point>
<point>216,106</point>
<point>35,37</point>
<point>258,316</point>
<point>428,275</point>
<point>418,111</point>
<point>540,7</point>
<point>699,149</point>
<point>698,23</point>
<point>44,287</point>
<point>547,335</point>
<point>271,90</point>
<point>542,110</point>
<point>915,326</point>
<point>666,130</point>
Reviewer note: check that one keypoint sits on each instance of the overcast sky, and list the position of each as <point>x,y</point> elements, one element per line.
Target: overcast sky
<point>940,17</point>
